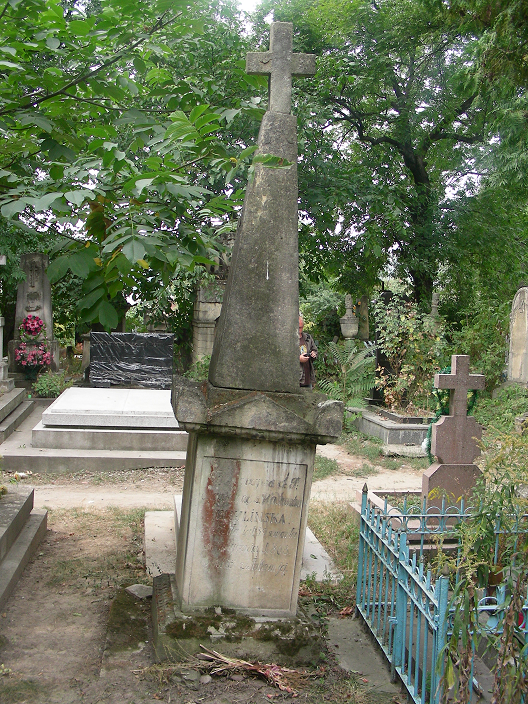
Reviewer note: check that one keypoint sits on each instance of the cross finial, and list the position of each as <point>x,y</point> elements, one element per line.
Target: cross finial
<point>281,64</point>
<point>460,381</point>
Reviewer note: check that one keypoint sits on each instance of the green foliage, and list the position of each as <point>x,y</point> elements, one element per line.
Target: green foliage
<point>415,346</point>
<point>324,467</point>
<point>491,547</point>
<point>354,375</point>
<point>199,371</point>
<point>321,305</point>
<point>112,116</point>
<point>498,414</point>
<point>389,124</point>
<point>51,384</point>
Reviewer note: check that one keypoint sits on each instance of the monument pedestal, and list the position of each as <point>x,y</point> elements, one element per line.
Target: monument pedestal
<point>241,534</point>
<point>248,476</point>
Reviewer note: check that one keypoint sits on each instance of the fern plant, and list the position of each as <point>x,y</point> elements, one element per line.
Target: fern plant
<point>355,373</point>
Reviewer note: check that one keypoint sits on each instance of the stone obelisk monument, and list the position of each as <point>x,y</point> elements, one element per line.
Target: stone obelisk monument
<point>252,433</point>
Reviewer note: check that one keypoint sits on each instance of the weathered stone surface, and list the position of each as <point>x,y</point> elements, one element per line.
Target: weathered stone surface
<point>34,297</point>
<point>252,433</point>
<point>449,481</point>
<point>518,357</point>
<point>280,63</point>
<point>177,635</point>
<point>256,343</point>
<point>140,591</point>
<point>241,536</point>
<point>454,439</point>
<point>306,416</point>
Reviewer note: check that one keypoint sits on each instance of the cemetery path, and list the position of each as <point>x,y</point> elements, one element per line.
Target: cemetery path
<point>69,634</point>
<point>154,488</point>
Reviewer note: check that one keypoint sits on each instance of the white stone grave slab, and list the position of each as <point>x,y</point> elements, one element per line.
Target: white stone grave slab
<point>112,408</point>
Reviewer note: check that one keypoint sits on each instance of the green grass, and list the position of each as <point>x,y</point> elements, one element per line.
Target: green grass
<point>14,691</point>
<point>324,467</point>
<point>366,470</point>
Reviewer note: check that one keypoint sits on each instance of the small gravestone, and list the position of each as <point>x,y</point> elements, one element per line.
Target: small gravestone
<point>454,438</point>
<point>131,359</point>
<point>363,318</point>
<point>518,356</point>
<point>34,298</point>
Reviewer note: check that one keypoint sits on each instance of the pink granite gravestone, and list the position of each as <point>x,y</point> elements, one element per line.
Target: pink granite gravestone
<point>455,437</point>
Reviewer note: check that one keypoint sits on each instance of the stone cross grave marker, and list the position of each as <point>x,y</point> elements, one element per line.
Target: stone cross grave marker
<point>256,343</point>
<point>280,64</point>
<point>252,431</point>
<point>454,437</point>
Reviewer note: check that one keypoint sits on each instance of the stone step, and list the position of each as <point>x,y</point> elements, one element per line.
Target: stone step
<point>15,508</point>
<point>108,439</point>
<point>21,552</point>
<point>11,400</point>
<point>15,418</point>
<point>54,461</point>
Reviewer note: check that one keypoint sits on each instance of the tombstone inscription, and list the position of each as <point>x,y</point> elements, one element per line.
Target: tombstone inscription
<point>252,433</point>
<point>455,437</point>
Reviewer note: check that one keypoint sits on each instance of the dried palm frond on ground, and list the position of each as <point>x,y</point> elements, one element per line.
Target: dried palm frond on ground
<point>276,675</point>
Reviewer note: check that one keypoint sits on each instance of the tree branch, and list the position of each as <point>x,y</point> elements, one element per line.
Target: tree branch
<point>85,76</point>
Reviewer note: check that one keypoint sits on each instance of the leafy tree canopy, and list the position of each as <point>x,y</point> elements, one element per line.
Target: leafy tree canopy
<point>394,117</point>
<point>112,136</point>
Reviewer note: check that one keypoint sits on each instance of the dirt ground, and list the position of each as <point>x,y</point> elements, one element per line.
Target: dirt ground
<point>71,634</point>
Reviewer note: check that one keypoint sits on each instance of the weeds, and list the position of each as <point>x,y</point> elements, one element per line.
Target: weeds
<point>324,467</point>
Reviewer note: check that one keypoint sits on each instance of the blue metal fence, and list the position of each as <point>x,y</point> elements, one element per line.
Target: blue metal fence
<point>405,608</point>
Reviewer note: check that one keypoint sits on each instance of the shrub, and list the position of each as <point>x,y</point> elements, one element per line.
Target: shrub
<point>415,346</point>
<point>199,371</point>
<point>354,371</point>
<point>483,337</point>
<point>51,384</point>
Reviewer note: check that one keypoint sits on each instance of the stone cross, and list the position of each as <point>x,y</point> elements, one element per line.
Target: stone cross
<point>262,292</point>
<point>454,437</point>
<point>460,381</point>
<point>280,63</point>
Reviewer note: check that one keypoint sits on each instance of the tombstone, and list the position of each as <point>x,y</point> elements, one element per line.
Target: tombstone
<point>207,309</point>
<point>252,431</point>
<point>363,318</point>
<point>6,384</point>
<point>518,354</point>
<point>34,297</point>
<point>349,323</point>
<point>454,438</point>
<point>131,359</point>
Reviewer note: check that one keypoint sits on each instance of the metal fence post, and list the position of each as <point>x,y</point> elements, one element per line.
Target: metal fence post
<point>440,641</point>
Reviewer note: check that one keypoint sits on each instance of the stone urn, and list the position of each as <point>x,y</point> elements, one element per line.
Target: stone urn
<point>349,322</point>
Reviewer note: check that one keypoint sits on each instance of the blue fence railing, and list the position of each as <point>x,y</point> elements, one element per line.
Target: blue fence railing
<point>407,609</point>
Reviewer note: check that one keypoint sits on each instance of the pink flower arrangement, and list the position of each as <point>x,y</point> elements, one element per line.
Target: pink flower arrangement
<point>32,324</point>
<point>33,355</point>
<point>31,328</point>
